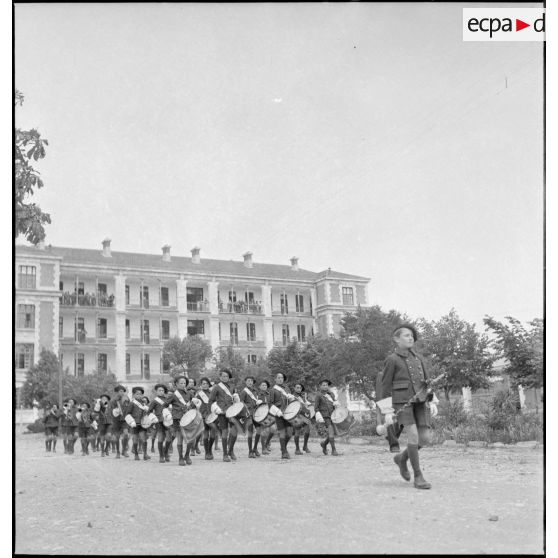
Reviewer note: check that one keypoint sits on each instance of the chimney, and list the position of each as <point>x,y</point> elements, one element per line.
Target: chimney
<point>294,263</point>
<point>166,253</point>
<point>195,255</point>
<point>41,245</point>
<point>248,259</point>
<point>106,248</point>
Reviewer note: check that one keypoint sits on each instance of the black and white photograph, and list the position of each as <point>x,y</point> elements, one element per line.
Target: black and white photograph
<point>279,278</point>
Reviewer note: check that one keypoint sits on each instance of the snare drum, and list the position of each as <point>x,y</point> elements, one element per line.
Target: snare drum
<point>297,414</point>
<point>191,424</point>
<point>146,421</point>
<point>262,416</point>
<point>342,420</point>
<point>237,413</point>
<point>211,418</point>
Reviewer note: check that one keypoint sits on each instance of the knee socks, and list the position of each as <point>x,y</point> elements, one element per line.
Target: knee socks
<point>413,453</point>
<point>297,442</point>
<point>306,436</point>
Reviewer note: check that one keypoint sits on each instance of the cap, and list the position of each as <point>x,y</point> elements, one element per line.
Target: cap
<point>407,326</point>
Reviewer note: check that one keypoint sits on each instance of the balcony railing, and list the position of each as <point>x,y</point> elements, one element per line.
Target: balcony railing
<point>240,307</point>
<point>243,343</point>
<point>82,339</point>
<point>198,306</point>
<point>99,300</point>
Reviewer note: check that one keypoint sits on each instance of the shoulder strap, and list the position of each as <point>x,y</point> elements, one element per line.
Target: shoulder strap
<point>203,396</point>
<point>179,397</point>
<point>225,389</point>
<point>159,400</point>
<point>250,394</point>
<point>280,389</point>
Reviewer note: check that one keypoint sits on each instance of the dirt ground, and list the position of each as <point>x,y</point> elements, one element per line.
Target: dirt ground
<point>482,501</point>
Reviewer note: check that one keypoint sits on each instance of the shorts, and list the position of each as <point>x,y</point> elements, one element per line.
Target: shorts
<point>51,430</point>
<point>103,429</point>
<point>175,428</point>
<point>417,413</point>
<point>119,427</point>
<point>222,422</point>
<point>282,424</point>
<point>85,431</point>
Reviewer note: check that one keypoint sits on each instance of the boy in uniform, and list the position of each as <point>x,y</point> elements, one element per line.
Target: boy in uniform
<point>118,409</point>
<point>85,429</point>
<point>279,397</point>
<point>404,376</point>
<point>180,400</point>
<point>221,398</point>
<point>51,421</point>
<point>324,405</point>
<point>72,424</point>
<point>193,391</point>
<point>251,402</point>
<point>136,411</point>
<point>210,431</point>
<point>263,433</point>
<point>300,395</point>
<point>156,407</point>
<point>101,408</point>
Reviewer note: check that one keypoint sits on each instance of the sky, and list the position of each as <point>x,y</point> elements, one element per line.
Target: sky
<point>368,138</point>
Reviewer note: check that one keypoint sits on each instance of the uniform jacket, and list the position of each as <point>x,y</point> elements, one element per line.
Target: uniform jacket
<point>264,396</point>
<point>85,419</point>
<point>248,400</point>
<point>157,408</point>
<point>403,375</point>
<point>323,405</point>
<point>205,407</point>
<point>72,418</point>
<point>51,420</point>
<point>113,404</point>
<point>136,412</point>
<point>219,396</point>
<point>178,409</point>
<point>103,415</point>
<point>277,398</point>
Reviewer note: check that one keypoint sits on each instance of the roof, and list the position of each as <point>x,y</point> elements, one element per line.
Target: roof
<point>85,256</point>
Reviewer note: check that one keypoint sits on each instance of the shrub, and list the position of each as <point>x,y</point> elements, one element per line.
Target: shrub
<point>37,426</point>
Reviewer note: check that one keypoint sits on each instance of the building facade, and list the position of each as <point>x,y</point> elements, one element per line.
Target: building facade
<point>113,311</point>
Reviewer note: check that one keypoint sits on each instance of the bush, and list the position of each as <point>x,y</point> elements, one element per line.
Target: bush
<point>36,427</point>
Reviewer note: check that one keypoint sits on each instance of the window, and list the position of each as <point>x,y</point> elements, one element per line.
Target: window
<point>234,333</point>
<point>311,309</point>
<point>285,333</point>
<point>347,296</point>
<point>81,288</point>
<point>127,294</point>
<point>165,366</point>
<point>251,332</point>
<point>195,327</point>
<point>101,289</point>
<point>251,359</point>
<point>127,328</point>
<point>249,297</point>
<point>24,355</point>
<point>284,304</point>
<point>60,326</point>
<point>232,296</point>
<point>80,330</point>
<point>144,333</point>
<point>61,285</point>
<point>194,294</point>
<point>164,296</point>
<point>27,277</point>
<point>144,297</point>
<point>219,331</point>
<point>128,366</point>
<point>145,367</point>
<point>101,328</point>
<point>299,303</point>
<point>165,329</point>
<point>26,316</point>
<point>301,333</point>
<point>79,365</point>
<point>102,362</point>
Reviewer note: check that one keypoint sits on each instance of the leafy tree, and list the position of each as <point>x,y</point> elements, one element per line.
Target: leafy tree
<point>38,378</point>
<point>29,146</point>
<point>522,347</point>
<point>457,350</point>
<point>228,357</point>
<point>187,356</point>
<point>86,388</point>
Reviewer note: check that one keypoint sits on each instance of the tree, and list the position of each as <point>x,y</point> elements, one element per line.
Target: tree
<point>39,377</point>
<point>457,350</point>
<point>187,356</point>
<point>85,388</point>
<point>369,336</point>
<point>29,146</point>
<point>522,347</point>
<point>228,357</point>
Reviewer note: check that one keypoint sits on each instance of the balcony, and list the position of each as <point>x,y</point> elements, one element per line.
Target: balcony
<point>243,343</point>
<point>240,307</point>
<point>100,300</point>
<point>82,339</point>
<point>198,306</point>
<point>147,340</point>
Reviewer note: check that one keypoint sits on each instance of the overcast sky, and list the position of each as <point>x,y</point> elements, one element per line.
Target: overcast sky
<point>368,138</point>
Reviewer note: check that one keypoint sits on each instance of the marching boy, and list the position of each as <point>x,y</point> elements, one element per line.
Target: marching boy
<point>163,434</point>
<point>136,412</point>
<point>118,409</point>
<point>251,401</point>
<point>324,405</point>
<point>51,421</point>
<point>403,379</point>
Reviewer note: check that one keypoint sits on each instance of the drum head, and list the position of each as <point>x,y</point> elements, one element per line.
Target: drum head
<point>234,410</point>
<point>145,421</point>
<point>339,415</point>
<point>292,410</point>
<point>312,411</point>
<point>167,421</point>
<point>188,417</point>
<point>211,418</point>
<point>261,412</point>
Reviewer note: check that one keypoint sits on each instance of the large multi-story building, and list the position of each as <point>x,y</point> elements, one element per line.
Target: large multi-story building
<point>113,311</point>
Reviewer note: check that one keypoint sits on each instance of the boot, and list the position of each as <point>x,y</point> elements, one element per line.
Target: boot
<point>225,454</point>
<point>117,449</point>
<point>256,442</point>
<point>197,446</point>
<point>189,448</point>
<point>250,450</point>
<point>145,456</point>
<point>419,481</point>
<point>284,452</point>
<point>125,448</point>
<point>401,461</point>
<point>152,445</point>
<point>305,444</point>
<point>180,456</point>
<point>206,448</point>
<point>210,447</point>
<point>232,441</point>
<point>82,443</point>
<point>332,444</point>
<point>135,451</point>
<point>324,446</point>
<point>297,446</point>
